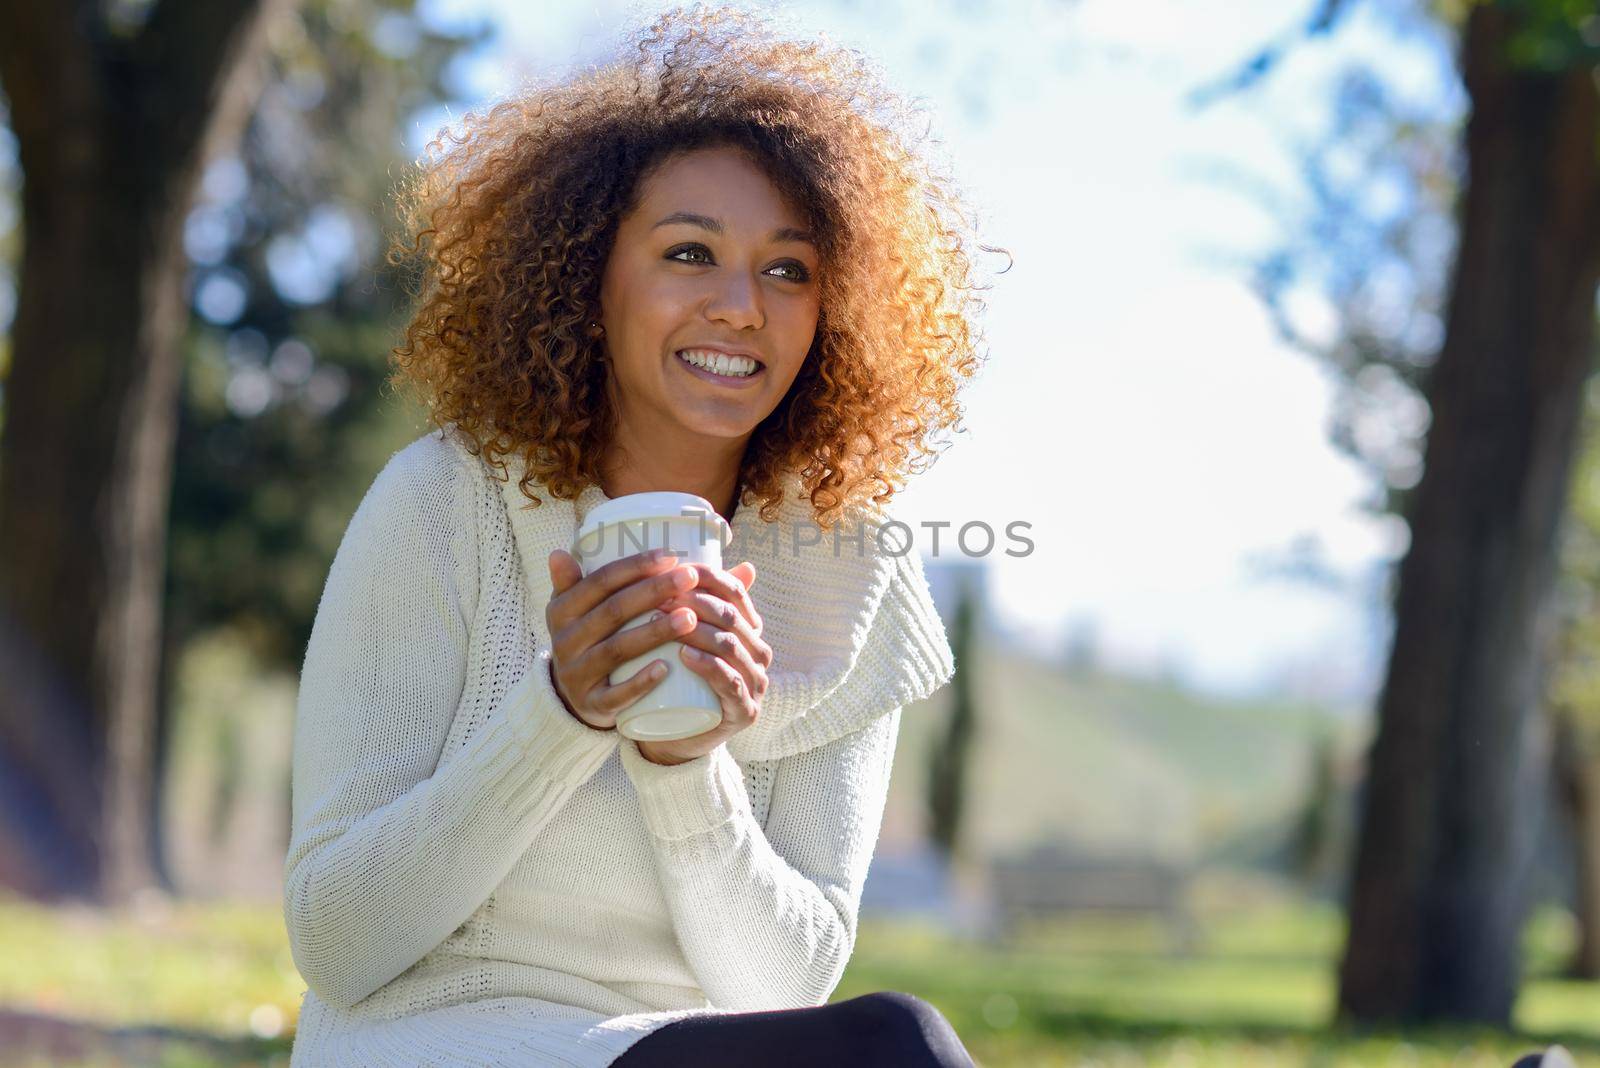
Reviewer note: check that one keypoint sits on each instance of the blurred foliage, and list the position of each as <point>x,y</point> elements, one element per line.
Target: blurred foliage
<point>283,421</point>
<point>1358,279</point>
<point>1574,688</point>
<point>1097,990</point>
<point>225,809</point>
<point>1554,35</point>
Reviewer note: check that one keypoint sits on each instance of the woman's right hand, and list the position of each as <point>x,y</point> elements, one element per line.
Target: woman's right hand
<point>585,618</point>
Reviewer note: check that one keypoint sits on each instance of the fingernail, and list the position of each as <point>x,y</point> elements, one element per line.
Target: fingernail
<point>692,653</point>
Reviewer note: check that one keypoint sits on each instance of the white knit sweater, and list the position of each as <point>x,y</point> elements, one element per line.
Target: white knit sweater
<point>475,877</point>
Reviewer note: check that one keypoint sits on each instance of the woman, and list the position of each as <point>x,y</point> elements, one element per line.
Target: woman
<point>718,270</point>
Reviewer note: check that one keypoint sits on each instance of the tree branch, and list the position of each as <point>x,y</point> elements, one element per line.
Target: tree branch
<point>1258,66</point>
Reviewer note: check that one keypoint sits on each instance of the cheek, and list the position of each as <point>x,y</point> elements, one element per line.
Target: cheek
<point>798,328</point>
<point>643,302</point>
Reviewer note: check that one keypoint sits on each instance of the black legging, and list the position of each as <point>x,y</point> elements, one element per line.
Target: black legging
<point>886,1028</point>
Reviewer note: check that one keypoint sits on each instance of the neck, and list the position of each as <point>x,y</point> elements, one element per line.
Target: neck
<point>712,474</point>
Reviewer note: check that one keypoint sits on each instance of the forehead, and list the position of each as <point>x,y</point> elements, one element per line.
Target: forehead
<point>720,183</point>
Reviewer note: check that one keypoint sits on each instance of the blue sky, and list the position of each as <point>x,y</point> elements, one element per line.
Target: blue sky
<point>1136,408</point>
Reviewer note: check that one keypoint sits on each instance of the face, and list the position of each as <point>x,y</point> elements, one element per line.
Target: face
<point>711,258</point>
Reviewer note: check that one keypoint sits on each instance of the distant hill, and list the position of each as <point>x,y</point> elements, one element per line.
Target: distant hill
<point>1113,762</point>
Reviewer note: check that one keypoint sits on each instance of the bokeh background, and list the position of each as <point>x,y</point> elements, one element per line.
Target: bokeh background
<point>1279,745</point>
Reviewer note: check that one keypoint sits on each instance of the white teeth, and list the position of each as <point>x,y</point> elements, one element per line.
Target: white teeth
<point>720,363</point>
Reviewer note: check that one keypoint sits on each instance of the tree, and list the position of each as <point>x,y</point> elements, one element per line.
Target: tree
<point>951,753</point>
<point>114,120</point>
<point>1314,836</point>
<point>284,418</point>
<point>1437,897</point>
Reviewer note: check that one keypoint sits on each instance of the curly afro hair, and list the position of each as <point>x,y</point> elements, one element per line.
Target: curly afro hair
<point>521,211</point>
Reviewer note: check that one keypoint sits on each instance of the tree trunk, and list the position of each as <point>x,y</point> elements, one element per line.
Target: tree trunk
<point>1455,771</point>
<point>951,756</point>
<point>112,136</point>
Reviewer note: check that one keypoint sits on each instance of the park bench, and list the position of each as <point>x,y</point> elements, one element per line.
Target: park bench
<point>1052,882</point>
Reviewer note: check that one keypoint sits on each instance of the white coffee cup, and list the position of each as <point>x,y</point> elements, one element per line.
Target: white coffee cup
<point>682,704</point>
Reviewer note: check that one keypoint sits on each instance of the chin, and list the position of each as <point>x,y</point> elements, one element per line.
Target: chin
<point>721,431</point>
<point>727,418</point>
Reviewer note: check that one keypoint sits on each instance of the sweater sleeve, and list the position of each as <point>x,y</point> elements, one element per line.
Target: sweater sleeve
<point>390,851</point>
<point>767,917</point>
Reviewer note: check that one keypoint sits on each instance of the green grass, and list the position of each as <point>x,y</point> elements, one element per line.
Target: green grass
<point>1257,990</point>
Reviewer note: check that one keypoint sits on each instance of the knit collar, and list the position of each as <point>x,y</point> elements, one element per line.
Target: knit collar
<point>854,632</point>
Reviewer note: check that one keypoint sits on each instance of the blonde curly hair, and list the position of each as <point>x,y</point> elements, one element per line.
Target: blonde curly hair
<point>521,212</point>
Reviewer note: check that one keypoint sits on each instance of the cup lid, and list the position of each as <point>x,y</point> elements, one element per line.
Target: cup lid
<point>653,506</point>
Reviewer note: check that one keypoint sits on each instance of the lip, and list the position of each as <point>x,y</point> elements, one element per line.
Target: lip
<point>747,382</point>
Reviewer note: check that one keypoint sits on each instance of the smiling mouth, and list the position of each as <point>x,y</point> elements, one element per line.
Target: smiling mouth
<point>713,376</point>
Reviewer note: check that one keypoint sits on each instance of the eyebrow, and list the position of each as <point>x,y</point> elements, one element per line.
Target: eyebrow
<point>706,222</point>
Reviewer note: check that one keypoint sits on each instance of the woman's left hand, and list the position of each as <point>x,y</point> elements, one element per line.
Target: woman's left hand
<point>735,661</point>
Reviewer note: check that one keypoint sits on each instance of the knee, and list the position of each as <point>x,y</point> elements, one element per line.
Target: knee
<point>907,1029</point>
<point>898,1008</point>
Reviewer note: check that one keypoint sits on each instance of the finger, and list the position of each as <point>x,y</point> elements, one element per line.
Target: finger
<point>726,646</point>
<point>719,613</point>
<point>572,635</point>
<point>604,656</point>
<point>565,571</point>
<point>729,587</point>
<point>727,684</point>
<point>709,607</point>
<point>580,597</point>
<point>613,699</point>
<point>616,614</point>
<point>745,571</point>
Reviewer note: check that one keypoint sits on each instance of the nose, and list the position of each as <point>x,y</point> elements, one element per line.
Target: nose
<point>737,301</point>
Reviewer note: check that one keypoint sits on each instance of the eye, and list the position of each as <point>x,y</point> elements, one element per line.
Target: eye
<point>673,254</point>
<point>799,269</point>
<point>800,273</point>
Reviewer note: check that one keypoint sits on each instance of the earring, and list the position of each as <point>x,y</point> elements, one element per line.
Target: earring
<point>596,327</point>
